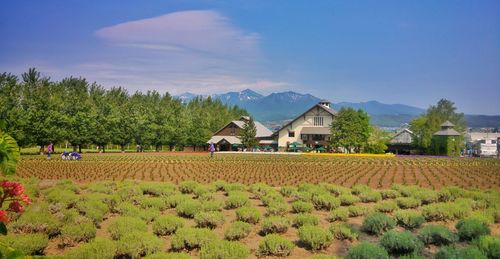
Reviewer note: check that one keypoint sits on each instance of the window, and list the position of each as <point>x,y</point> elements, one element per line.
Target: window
<point>291,134</point>
<point>304,136</point>
<point>318,121</point>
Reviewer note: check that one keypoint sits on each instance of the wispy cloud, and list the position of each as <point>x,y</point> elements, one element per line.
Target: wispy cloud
<point>197,51</point>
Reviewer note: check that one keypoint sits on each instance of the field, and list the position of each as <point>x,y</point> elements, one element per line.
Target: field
<point>275,170</point>
<point>248,206</point>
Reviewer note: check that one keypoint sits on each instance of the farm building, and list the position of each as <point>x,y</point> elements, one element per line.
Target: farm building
<point>447,141</point>
<point>401,143</point>
<point>309,130</point>
<point>227,138</point>
<point>483,143</point>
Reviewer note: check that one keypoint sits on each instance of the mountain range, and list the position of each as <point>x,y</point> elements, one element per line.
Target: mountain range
<point>277,108</point>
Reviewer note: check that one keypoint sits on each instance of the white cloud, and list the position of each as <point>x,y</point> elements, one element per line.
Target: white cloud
<point>197,51</point>
<point>202,31</point>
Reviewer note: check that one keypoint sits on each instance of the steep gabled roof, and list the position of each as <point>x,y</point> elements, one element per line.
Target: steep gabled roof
<point>262,131</point>
<point>329,110</point>
<point>447,124</point>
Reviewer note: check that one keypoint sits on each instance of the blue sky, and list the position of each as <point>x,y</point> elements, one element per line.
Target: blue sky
<point>411,52</point>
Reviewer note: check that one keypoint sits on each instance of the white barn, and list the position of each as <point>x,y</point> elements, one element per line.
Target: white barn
<point>310,129</point>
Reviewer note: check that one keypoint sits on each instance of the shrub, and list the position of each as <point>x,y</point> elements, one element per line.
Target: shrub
<point>426,196</point>
<point>325,202</point>
<point>366,250</point>
<point>277,209</point>
<point>260,189</point>
<point>237,200</point>
<point>223,249</point>
<point>200,191</point>
<point>220,185</point>
<point>212,205</point>
<point>469,229</point>
<point>357,210</point>
<point>303,219</point>
<point>389,194</point>
<point>36,219</point>
<point>336,190</point>
<point>74,233</point>
<point>167,224</point>
<point>339,214</point>
<point>452,252</point>
<point>128,192</point>
<point>176,199</point>
<point>360,188</point>
<point>408,202</point>
<point>157,203</point>
<point>234,187</point>
<point>302,207</point>
<point>343,231</point>
<point>348,199</point>
<point>129,210</point>
<point>275,224</point>
<point>445,211</point>
<point>371,196</point>
<point>123,225</point>
<point>437,235</point>
<point>400,243</point>
<point>288,191</point>
<point>188,209</point>
<point>188,187</point>
<point>275,245</point>
<point>237,231</point>
<point>192,238</point>
<point>489,245</point>
<point>157,188</point>
<point>137,244</point>
<point>97,248</point>
<point>94,209</point>
<point>450,193</point>
<point>173,255</point>
<point>248,214</point>
<point>409,219</point>
<point>377,223</point>
<point>386,206</point>
<point>315,237</point>
<point>272,197</point>
<point>210,219</point>
<point>28,244</point>
<point>65,197</point>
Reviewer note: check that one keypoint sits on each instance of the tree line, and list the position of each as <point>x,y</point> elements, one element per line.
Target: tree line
<point>37,111</point>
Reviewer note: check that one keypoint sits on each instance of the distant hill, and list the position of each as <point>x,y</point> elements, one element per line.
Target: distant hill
<point>275,108</point>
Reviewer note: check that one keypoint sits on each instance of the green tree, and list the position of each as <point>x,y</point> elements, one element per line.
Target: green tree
<point>248,134</point>
<point>100,133</point>
<point>350,130</point>
<point>428,123</point>
<point>377,141</point>
<point>120,119</point>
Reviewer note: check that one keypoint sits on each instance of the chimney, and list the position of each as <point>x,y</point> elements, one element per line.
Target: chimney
<point>325,103</point>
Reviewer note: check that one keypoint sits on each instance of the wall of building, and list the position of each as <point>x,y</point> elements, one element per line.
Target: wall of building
<point>228,131</point>
<point>306,120</point>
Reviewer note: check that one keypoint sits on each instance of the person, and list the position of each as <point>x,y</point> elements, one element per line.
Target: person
<point>65,155</point>
<point>50,147</point>
<point>211,149</point>
<point>75,156</point>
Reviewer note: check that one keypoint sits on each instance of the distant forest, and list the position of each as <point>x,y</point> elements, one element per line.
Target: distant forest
<point>37,111</point>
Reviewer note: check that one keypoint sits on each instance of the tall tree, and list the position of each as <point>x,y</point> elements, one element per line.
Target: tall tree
<point>248,134</point>
<point>350,130</point>
<point>100,132</point>
<point>428,123</point>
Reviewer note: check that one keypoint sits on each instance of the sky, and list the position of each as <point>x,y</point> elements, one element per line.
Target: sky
<point>392,51</point>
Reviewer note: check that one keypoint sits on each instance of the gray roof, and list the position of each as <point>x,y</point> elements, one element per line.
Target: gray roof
<point>262,131</point>
<point>447,132</point>
<point>447,124</point>
<point>403,137</point>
